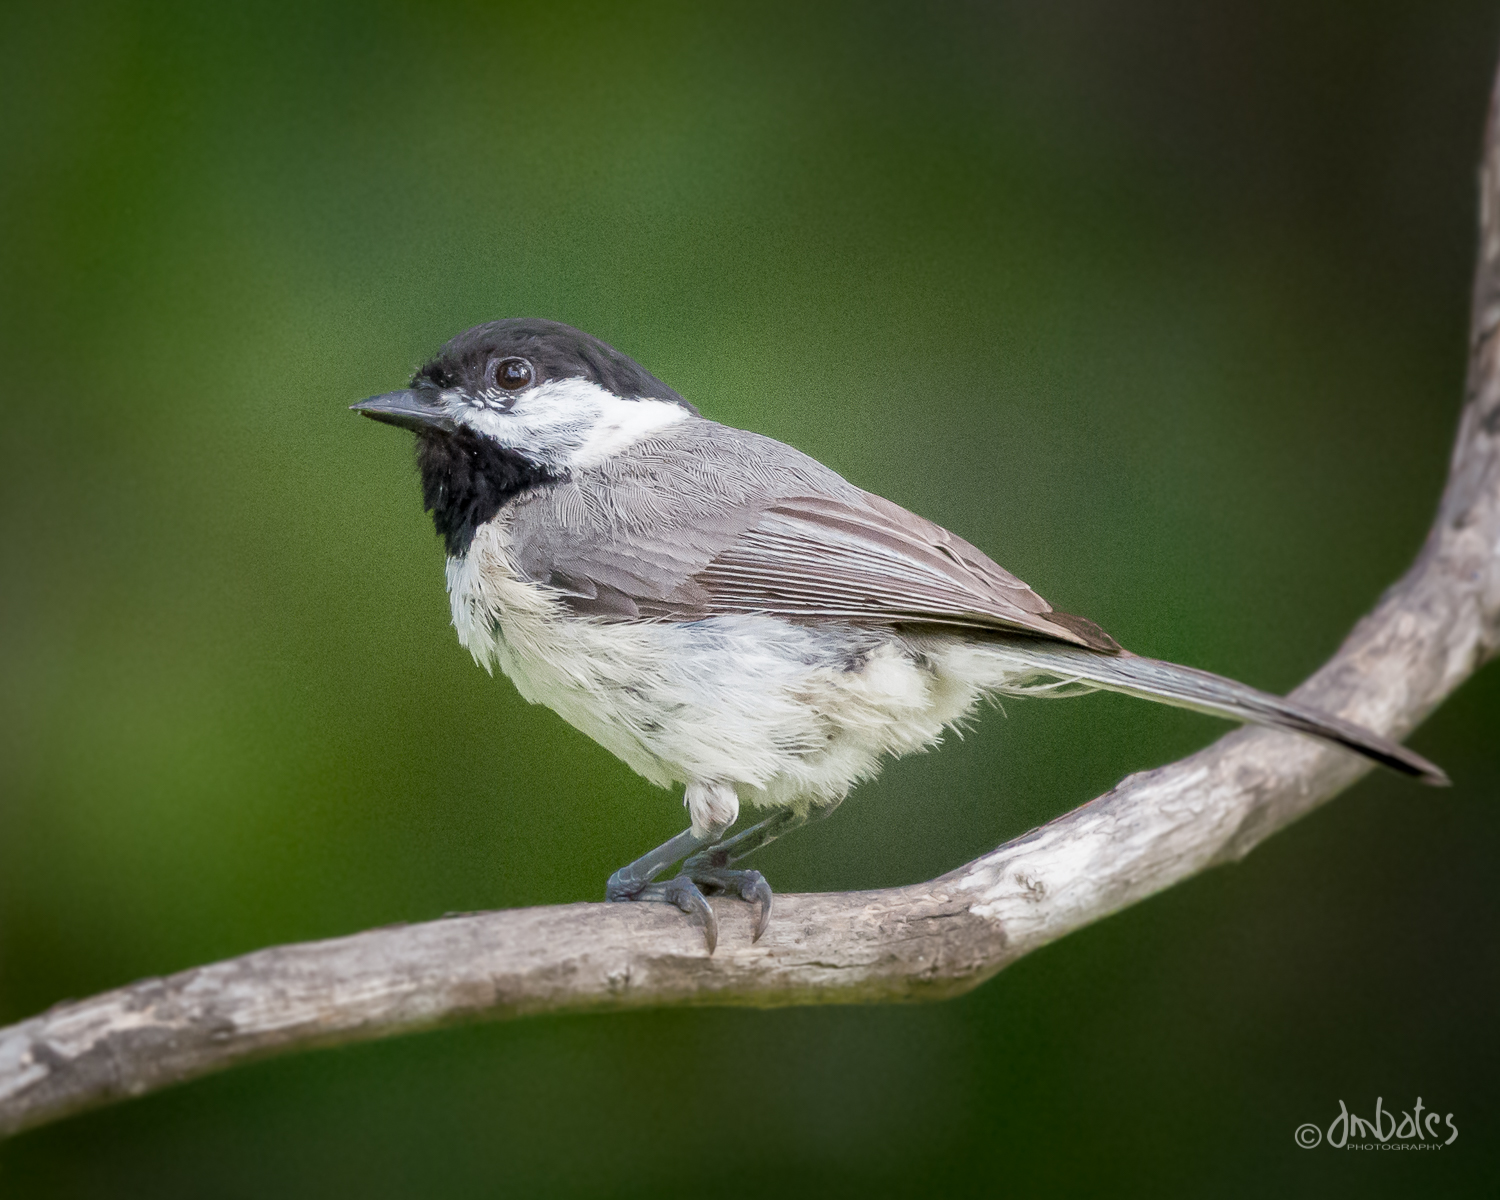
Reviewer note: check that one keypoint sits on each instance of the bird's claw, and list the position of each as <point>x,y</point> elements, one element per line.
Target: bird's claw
<point>685,892</point>
<point>680,892</point>
<point>750,886</point>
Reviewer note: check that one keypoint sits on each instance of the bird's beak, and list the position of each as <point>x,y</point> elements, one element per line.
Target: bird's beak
<point>413,408</point>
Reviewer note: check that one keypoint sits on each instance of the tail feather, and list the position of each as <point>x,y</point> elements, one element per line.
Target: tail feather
<point>1059,668</point>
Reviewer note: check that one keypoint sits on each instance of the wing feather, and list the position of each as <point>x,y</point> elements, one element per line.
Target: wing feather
<point>870,560</point>
<point>744,524</point>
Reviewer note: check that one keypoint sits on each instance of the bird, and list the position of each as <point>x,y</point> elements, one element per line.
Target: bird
<point>721,611</point>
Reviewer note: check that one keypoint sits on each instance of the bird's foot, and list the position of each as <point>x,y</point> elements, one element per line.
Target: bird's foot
<point>681,892</point>
<point>686,891</point>
<point>711,870</point>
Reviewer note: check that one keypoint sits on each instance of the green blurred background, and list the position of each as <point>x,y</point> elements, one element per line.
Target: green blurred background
<point>1162,304</point>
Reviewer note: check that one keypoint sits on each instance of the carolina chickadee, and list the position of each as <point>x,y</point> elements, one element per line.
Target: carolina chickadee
<point>720,610</point>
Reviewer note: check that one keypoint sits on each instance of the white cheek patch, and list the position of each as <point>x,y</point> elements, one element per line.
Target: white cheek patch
<point>622,423</point>
<point>572,423</point>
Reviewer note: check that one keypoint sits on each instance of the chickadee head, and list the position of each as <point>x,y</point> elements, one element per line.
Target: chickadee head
<point>511,404</point>
<point>541,388</point>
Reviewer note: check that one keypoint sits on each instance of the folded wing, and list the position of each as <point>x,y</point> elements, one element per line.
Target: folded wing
<point>721,521</point>
<point>867,560</point>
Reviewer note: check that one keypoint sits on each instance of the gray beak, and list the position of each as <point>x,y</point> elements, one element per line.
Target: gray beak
<point>413,408</point>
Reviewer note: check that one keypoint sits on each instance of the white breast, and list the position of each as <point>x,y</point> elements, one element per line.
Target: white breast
<point>787,714</point>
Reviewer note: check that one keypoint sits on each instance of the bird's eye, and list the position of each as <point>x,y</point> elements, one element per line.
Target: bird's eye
<point>512,373</point>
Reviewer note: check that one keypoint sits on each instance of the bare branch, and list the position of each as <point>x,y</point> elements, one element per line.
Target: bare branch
<point>1429,632</point>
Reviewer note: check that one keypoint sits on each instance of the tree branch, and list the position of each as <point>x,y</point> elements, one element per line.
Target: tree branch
<point>1429,632</point>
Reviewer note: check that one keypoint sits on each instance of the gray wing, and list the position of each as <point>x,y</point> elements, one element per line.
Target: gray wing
<point>710,520</point>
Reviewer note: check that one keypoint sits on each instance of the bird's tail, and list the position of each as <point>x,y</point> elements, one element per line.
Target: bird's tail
<point>1037,668</point>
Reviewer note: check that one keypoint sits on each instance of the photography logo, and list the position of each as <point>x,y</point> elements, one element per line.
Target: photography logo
<point>1414,1130</point>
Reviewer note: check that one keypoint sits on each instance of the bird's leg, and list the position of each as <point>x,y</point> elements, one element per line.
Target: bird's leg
<point>714,807</point>
<point>707,862</point>
<point>627,882</point>
<point>637,881</point>
<point>745,843</point>
<point>712,869</point>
